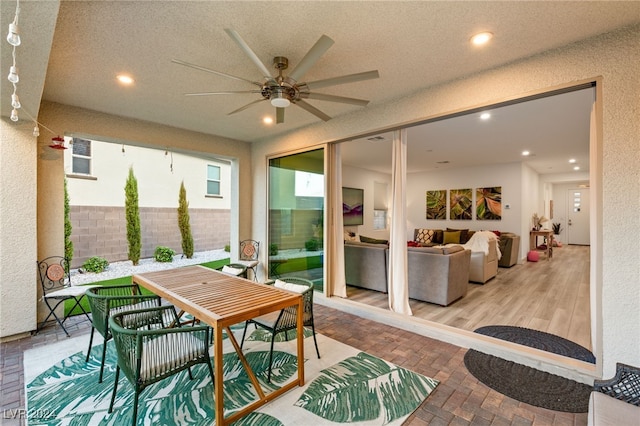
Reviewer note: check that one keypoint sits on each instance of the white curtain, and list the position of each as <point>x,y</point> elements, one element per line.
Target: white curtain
<point>336,285</point>
<point>398,284</point>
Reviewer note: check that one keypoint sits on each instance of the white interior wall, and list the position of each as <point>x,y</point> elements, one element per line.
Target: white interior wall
<point>354,177</point>
<point>507,176</point>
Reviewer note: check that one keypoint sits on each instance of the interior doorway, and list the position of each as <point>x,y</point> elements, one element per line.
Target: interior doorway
<point>578,216</point>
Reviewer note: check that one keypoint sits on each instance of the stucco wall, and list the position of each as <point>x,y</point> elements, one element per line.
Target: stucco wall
<point>20,161</point>
<point>18,152</point>
<point>616,187</point>
<point>102,231</point>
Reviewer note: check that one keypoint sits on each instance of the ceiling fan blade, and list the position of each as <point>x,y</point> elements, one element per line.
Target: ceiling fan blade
<point>246,106</point>
<point>313,110</point>
<point>333,98</point>
<point>222,93</point>
<point>318,49</point>
<point>198,67</point>
<point>351,78</point>
<point>279,115</point>
<point>247,50</point>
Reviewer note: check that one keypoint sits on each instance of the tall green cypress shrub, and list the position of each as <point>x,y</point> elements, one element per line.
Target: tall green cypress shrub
<point>132,214</point>
<point>183,223</point>
<point>68,244</point>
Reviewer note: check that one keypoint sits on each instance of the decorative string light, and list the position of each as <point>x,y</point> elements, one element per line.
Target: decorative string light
<point>13,38</point>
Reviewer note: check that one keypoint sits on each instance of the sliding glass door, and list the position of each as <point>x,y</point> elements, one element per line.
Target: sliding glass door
<point>296,216</point>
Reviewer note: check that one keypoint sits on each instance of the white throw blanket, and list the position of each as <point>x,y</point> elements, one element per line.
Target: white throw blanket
<point>479,241</point>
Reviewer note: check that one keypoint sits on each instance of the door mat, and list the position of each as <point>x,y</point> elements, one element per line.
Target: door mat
<point>538,340</point>
<point>528,385</point>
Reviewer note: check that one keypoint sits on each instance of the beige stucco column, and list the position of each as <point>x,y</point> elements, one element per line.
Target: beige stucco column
<point>18,238</point>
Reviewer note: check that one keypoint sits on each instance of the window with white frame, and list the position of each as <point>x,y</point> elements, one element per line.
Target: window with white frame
<point>81,156</point>
<point>213,180</point>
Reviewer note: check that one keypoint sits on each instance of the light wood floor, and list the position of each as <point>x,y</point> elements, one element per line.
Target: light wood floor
<point>550,296</point>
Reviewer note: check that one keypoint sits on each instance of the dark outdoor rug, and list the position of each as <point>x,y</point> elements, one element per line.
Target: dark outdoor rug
<point>528,385</point>
<point>538,340</point>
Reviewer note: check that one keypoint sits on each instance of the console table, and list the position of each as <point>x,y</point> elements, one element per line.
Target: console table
<point>548,241</point>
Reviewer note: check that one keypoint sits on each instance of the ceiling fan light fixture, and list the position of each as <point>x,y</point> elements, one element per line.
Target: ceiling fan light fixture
<point>279,101</point>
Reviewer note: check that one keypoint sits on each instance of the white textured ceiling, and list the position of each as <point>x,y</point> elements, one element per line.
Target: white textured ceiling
<point>414,45</point>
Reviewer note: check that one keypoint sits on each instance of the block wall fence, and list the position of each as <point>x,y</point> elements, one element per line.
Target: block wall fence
<point>102,231</point>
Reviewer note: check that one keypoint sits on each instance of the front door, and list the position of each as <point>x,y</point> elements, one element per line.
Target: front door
<point>578,224</point>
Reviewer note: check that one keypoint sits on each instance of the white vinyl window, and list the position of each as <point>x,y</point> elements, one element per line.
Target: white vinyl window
<point>213,180</point>
<point>81,156</point>
<point>379,219</point>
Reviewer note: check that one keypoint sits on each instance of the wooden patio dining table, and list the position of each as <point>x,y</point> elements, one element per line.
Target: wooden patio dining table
<point>221,300</point>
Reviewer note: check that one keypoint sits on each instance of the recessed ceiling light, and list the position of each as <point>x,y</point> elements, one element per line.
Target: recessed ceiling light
<point>576,168</point>
<point>267,120</point>
<point>485,116</point>
<point>481,38</point>
<point>125,79</point>
<point>525,153</point>
<point>573,160</point>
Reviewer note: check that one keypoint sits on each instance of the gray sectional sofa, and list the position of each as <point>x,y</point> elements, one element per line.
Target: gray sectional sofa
<point>436,275</point>
<point>366,265</point>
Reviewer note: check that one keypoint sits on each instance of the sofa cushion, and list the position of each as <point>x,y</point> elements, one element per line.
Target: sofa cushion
<point>358,243</point>
<point>364,239</point>
<point>452,249</point>
<point>431,250</point>
<point>452,237</point>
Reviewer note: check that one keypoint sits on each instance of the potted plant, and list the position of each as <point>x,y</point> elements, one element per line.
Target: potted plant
<point>557,228</point>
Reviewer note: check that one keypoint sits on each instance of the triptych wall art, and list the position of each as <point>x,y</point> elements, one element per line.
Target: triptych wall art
<point>488,203</point>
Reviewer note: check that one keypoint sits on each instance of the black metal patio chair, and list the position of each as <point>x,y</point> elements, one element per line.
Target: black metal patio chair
<point>55,280</point>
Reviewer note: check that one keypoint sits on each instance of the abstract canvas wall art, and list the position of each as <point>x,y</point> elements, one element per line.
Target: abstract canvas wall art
<point>489,203</point>
<point>460,204</point>
<point>437,204</point>
<point>352,206</point>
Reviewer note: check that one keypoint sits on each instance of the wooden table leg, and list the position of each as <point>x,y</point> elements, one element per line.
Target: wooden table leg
<point>300,330</point>
<point>218,375</point>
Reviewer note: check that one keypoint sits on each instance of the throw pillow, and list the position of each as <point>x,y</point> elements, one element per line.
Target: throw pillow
<point>350,236</point>
<point>364,239</point>
<point>425,236</point>
<point>451,237</point>
<point>463,234</point>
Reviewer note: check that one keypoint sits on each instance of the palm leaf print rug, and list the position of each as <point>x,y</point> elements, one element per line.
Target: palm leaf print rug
<point>344,386</point>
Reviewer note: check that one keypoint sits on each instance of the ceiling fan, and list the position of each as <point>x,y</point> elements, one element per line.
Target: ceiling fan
<point>284,90</point>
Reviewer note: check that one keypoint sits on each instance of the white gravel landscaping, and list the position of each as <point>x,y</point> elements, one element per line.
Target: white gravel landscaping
<point>126,268</point>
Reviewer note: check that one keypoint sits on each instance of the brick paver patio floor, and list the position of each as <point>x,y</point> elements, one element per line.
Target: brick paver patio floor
<point>459,399</point>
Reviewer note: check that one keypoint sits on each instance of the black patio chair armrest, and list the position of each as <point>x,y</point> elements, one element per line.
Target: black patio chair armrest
<point>625,385</point>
